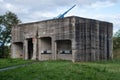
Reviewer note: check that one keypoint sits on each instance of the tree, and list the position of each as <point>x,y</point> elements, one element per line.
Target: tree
<point>116,44</point>
<point>7,20</point>
<point>116,40</point>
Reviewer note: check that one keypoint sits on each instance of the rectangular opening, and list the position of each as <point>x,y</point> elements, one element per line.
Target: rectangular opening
<point>64,47</point>
<point>46,45</point>
<point>30,48</point>
<point>18,49</point>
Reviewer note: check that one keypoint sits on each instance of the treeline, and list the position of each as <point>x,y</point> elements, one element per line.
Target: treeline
<point>116,44</point>
<point>7,20</point>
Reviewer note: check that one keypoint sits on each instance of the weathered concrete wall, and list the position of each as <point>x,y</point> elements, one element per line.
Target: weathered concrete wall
<point>17,34</point>
<point>64,56</point>
<point>45,57</point>
<point>91,40</point>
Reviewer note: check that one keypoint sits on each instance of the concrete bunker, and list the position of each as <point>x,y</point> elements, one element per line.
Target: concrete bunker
<point>30,48</point>
<point>64,49</point>
<point>71,38</point>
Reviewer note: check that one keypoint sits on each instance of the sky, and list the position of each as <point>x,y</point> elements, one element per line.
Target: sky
<point>38,10</point>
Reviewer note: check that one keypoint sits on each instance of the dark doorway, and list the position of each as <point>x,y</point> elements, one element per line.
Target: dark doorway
<point>30,48</point>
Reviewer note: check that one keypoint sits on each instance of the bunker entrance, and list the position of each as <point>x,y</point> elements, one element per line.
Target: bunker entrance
<point>18,49</point>
<point>64,47</point>
<point>46,45</point>
<point>30,48</point>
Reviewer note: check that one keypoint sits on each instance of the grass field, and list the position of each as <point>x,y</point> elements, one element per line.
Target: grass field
<point>12,62</point>
<point>65,70</point>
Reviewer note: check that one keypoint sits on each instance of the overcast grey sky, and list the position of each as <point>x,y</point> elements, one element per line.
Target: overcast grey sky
<point>37,10</point>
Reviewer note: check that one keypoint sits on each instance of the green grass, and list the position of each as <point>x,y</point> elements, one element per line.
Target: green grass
<point>12,62</point>
<point>65,70</point>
